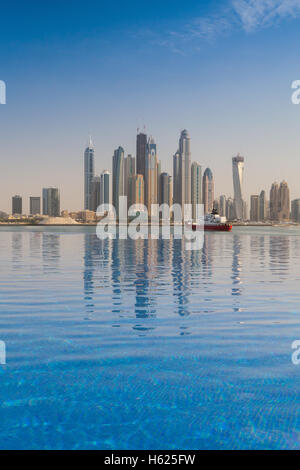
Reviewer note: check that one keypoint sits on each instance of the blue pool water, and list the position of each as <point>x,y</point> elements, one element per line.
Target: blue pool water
<point>123,344</point>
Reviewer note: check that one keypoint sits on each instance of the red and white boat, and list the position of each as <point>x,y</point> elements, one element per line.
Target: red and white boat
<point>213,222</point>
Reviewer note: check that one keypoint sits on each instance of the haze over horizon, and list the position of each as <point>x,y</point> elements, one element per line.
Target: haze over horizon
<point>223,70</point>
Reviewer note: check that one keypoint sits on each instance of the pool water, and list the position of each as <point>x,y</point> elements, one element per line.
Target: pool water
<point>141,344</point>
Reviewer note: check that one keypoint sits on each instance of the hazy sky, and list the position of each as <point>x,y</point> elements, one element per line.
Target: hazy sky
<point>221,69</point>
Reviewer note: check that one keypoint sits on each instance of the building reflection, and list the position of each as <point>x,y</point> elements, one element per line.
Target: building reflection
<point>236,266</point>
<point>50,251</point>
<point>279,255</point>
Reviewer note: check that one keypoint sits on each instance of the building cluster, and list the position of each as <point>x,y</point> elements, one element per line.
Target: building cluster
<point>50,204</point>
<point>141,179</point>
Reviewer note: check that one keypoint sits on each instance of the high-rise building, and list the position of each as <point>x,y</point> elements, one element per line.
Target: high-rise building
<point>254,208</point>
<point>118,177</point>
<point>165,187</point>
<point>95,193</point>
<point>176,179</point>
<point>185,152</point>
<point>136,191</point>
<point>222,205</point>
<point>208,191</point>
<point>230,210</point>
<point>284,201</point>
<point>158,178</point>
<point>51,202</point>
<point>295,214</point>
<point>151,175</point>
<point>238,177</point>
<point>88,175</point>
<point>263,206</point>
<point>129,170</point>
<point>141,148</point>
<point>274,201</point>
<point>105,187</point>
<point>17,205</point>
<point>196,187</point>
<point>35,205</point>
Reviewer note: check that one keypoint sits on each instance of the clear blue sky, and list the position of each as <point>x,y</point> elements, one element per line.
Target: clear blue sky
<point>221,69</point>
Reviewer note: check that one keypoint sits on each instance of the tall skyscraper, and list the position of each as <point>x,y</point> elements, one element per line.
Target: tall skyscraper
<point>274,201</point>
<point>158,178</point>
<point>223,205</point>
<point>196,187</point>
<point>165,181</point>
<point>88,175</point>
<point>295,213</point>
<point>230,211</point>
<point>141,148</point>
<point>176,179</point>
<point>151,175</point>
<point>280,202</point>
<point>254,208</point>
<point>263,206</point>
<point>105,187</point>
<point>185,152</point>
<point>118,177</point>
<point>51,202</point>
<point>35,205</point>
<point>208,191</point>
<point>284,201</point>
<point>129,170</point>
<point>95,196</point>
<point>238,179</point>
<point>17,205</point>
<point>136,191</point>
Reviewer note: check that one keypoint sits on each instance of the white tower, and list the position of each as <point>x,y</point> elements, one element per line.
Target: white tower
<point>238,178</point>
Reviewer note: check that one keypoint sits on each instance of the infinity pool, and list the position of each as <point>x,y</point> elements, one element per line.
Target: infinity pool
<point>123,344</point>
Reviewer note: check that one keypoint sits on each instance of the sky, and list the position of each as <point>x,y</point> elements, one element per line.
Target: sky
<point>221,69</point>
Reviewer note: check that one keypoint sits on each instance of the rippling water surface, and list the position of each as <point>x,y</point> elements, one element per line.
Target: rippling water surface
<point>123,344</point>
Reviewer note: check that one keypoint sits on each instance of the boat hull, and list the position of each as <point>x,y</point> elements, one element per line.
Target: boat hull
<point>213,227</point>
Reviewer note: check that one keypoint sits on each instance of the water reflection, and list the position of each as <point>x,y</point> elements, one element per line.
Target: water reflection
<point>145,279</point>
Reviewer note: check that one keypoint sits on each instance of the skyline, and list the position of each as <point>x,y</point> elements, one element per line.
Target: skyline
<point>145,188</point>
<point>230,86</point>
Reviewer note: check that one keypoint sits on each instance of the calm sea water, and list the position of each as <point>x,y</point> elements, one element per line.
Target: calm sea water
<point>123,344</point>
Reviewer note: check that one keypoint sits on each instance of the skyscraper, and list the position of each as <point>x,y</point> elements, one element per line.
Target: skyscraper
<point>284,201</point>
<point>295,213</point>
<point>223,205</point>
<point>95,193</point>
<point>185,152</point>
<point>51,202</point>
<point>118,177</point>
<point>17,205</point>
<point>208,191</point>
<point>263,206</point>
<point>88,175</point>
<point>274,201</point>
<point>105,187</point>
<point>141,147</point>
<point>35,205</point>
<point>176,179</point>
<point>136,191</point>
<point>238,178</point>
<point>129,170</point>
<point>254,208</point>
<point>151,175</point>
<point>196,187</point>
<point>165,181</point>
